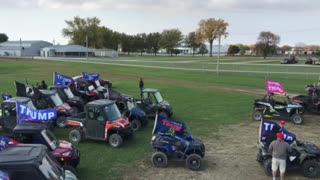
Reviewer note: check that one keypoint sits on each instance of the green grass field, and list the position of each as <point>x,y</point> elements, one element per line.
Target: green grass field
<point>203,100</point>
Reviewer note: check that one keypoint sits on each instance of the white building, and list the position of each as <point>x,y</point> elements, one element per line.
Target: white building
<point>22,48</point>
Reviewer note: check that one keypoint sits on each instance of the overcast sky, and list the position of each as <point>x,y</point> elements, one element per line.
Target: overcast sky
<point>295,21</point>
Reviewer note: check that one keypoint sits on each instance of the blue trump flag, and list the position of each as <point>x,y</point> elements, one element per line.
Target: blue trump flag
<point>61,80</point>
<point>4,141</point>
<point>4,176</point>
<point>268,127</point>
<point>6,96</point>
<point>90,77</point>
<point>25,113</point>
<point>168,126</point>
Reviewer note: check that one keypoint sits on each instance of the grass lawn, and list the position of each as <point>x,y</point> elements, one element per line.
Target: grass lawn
<point>194,96</point>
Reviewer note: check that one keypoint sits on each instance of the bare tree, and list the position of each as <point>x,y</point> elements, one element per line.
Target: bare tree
<point>267,43</point>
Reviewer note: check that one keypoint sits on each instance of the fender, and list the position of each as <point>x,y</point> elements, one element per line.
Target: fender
<point>74,123</point>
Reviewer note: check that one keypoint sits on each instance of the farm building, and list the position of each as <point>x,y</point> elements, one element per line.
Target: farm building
<point>22,48</point>
<point>66,51</point>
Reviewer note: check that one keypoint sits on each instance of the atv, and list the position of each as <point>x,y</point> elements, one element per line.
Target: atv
<point>311,102</point>
<point>152,103</point>
<point>127,106</point>
<point>303,155</point>
<point>277,106</point>
<point>175,144</point>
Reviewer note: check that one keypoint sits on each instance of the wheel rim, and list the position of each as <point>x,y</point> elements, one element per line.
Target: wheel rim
<point>311,169</point>
<point>194,163</point>
<point>61,123</point>
<point>297,119</point>
<point>257,116</point>
<point>134,126</point>
<point>74,137</point>
<point>114,141</point>
<point>159,159</point>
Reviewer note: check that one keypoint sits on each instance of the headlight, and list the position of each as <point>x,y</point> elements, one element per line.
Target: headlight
<point>153,138</point>
<point>66,154</point>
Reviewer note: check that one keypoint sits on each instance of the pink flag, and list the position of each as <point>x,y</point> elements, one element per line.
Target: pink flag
<point>274,87</point>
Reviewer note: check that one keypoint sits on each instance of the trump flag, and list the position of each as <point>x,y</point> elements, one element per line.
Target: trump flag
<point>274,87</point>
<point>61,80</point>
<point>25,113</point>
<point>90,77</point>
<point>164,125</point>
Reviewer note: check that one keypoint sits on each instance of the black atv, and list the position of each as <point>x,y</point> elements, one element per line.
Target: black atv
<point>310,102</point>
<point>304,156</point>
<point>276,106</point>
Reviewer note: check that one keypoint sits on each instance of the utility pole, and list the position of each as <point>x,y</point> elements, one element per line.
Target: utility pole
<point>87,45</point>
<point>218,55</point>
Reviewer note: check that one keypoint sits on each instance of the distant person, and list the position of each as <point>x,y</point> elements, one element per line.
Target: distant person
<point>44,85</point>
<point>141,85</point>
<point>279,149</point>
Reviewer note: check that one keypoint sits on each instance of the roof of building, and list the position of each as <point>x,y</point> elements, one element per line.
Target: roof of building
<point>68,48</point>
<point>17,43</point>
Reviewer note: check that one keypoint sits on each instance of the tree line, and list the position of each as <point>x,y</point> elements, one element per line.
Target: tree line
<point>89,30</point>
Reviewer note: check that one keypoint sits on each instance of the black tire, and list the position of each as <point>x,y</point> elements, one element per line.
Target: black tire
<point>257,115</point>
<point>74,110</point>
<point>310,168</point>
<point>75,136</point>
<point>164,114</point>
<point>70,168</point>
<point>297,119</point>
<point>115,140</point>
<point>194,162</point>
<point>267,166</point>
<point>259,156</point>
<point>61,121</point>
<point>136,124</point>
<point>159,159</point>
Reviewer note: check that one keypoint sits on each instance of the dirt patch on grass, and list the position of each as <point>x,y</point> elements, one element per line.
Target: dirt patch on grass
<point>230,154</point>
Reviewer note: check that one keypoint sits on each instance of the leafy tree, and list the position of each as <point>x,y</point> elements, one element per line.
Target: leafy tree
<point>210,30</point>
<point>171,39</point>
<point>3,37</point>
<point>243,48</point>
<point>191,41</point>
<point>267,43</point>
<point>78,29</point>
<point>203,49</point>
<point>153,42</point>
<point>233,49</point>
<point>285,48</point>
<point>140,42</point>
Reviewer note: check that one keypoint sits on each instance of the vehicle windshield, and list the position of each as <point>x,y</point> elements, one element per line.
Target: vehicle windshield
<point>112,112</point>
<point>50,169</point>
<point>50,138</point>
<point>131,104</point>
<point>68,93</point>
<point>281,99</point>
<point>158,97</point>
<point>56,99</point>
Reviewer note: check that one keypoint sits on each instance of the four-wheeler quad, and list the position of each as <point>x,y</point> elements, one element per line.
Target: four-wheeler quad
<point>8,118</point>
<point>289,60</point>
<point>174,145</point>
<point>152,102</point>
<point>66,95</point>
<point>35,133</point>
<point>311,102</point>
<point>304,156</point>
<point>101,120</point>
<point>95,86</point>
<point>137,116</point>
<point>32,161</point>
<point>277,106</point>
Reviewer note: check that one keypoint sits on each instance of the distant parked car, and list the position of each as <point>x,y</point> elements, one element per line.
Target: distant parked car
<point>289,60</point>
<point>312,60</point>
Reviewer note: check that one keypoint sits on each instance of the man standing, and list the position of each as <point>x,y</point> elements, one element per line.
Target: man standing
<point>141,84</point>
<point>279,149</point>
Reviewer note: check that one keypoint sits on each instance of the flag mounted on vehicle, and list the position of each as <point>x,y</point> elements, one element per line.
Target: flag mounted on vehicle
<point>5,96</point>
<point>90,77</point>
<point>25,113</point>
<point>164,125</point>
<point>269,129</point>
<point>61,80</point>
<point>274,87</point>
<point>21,89</point>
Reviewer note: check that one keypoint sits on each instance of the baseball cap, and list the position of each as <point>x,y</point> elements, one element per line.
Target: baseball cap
<point>282,122</point>
<point>279,135</point>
